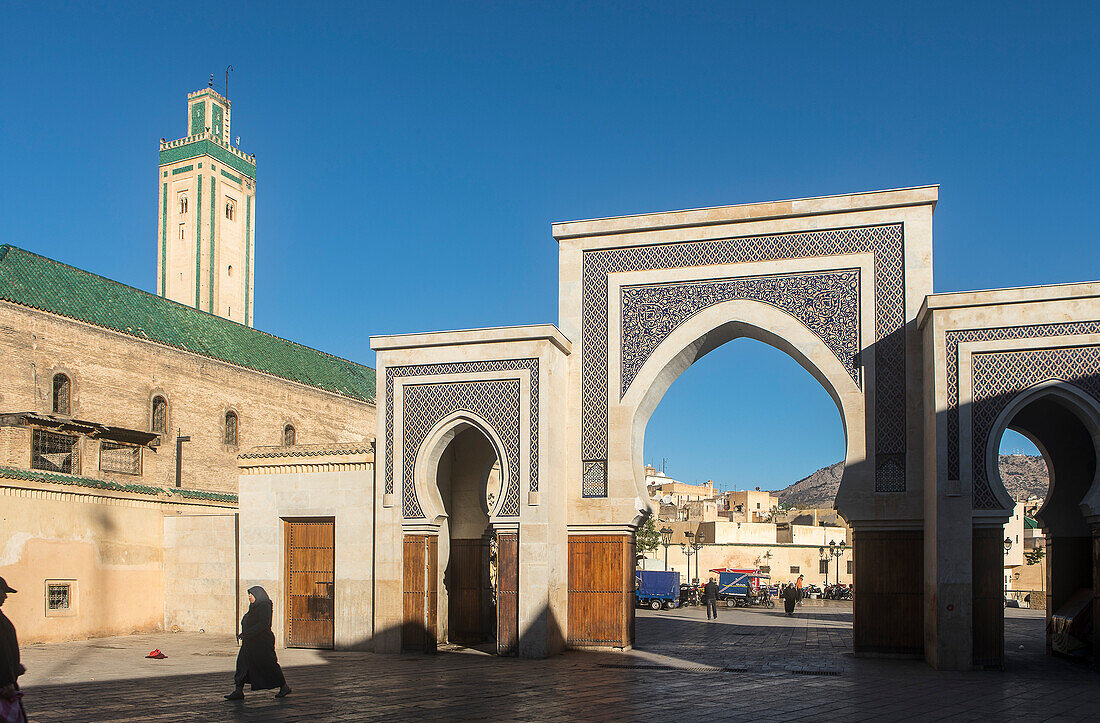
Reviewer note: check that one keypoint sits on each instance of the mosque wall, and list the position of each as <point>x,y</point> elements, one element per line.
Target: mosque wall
<point>115,377</point>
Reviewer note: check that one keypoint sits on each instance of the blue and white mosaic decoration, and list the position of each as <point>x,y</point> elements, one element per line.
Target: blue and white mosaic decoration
<point>999,376</point>
<point>827,303</point>
<point>952,341</point>
<point>495,400</point>
<point>885,242</point>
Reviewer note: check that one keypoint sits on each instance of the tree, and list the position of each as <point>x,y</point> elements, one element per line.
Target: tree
<point>647,538</point>
<point>1034,556</point>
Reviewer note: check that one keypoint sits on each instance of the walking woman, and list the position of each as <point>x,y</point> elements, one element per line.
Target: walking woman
<point>256,662</point>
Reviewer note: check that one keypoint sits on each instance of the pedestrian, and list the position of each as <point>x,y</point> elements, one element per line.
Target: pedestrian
<point>11,700</point>
<point>790,596</point>
<point>798,587</point>
<point>710,592</point>
<point>256,661</point>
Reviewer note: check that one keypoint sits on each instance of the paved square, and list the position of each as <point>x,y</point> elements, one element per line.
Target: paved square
<point>748,664</point>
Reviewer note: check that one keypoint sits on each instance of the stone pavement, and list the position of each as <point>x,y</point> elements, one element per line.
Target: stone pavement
<point>750,663</point>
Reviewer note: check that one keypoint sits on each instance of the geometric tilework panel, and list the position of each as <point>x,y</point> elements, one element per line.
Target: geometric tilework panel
<point>529,367</point>
<point>885,242</point>
<point>495,400</point>
<point>952,341</point>
<point>999,376</point>
<point>827,303</point>
<point>594,479</point>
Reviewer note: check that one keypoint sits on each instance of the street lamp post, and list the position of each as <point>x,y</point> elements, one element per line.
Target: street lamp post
<point>688,549</point>
<point>837,551</point>
<point>666,540</point>
<point>698,545</point>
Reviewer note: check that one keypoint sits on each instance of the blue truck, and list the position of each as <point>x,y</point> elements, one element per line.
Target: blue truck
<point>657,589</point>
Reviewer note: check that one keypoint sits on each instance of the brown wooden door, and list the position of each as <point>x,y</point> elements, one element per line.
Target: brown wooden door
<point>310,583</point>
<point>601,591</point>
<point>507,594</point>
<point>465,588</point>
<point>419,593</point>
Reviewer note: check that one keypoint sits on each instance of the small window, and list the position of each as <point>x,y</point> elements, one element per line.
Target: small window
<point>230,208</point>
<point>289,435</point>
<point>823,567</point>
<point>757,505</point>
<point>181,233</point>
<point>160,415</point>
<point>231,424</point>
<point>183,204</point>
<point>765,568</point>
<point>120,458</point>
<point>229,272</point>
<point>54,452</point>
<point>794,568</point>
<point>58,596</point>
<point>849,567</point>
<point>62,394</point>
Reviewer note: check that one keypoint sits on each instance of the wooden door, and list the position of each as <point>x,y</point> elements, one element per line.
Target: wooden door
<point>465,588</point>
<point>507,593</point>
<point>310,583</point>
<point>601,591</point>
<point>419,593</point>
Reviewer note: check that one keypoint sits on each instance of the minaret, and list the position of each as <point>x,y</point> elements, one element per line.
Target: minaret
<point>207,214</point>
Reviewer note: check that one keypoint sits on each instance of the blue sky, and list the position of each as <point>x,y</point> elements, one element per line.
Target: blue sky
<point>412,156</point>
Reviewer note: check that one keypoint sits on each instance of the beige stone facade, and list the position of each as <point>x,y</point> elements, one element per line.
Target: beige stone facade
<point>115,377</point>
<point>112,553</point>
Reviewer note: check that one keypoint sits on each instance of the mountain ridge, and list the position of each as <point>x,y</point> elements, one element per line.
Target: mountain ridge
<point>1024,476</point>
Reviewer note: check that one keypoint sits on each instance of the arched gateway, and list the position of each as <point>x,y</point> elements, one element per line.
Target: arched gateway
<point>509,478</point>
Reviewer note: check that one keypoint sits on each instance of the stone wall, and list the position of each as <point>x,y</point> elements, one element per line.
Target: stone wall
<point>108,546</point>
<point>200,573</point>
<point>115,377</point>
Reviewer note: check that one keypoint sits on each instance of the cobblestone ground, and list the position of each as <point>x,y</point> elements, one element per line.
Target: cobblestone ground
<point>749,664</point>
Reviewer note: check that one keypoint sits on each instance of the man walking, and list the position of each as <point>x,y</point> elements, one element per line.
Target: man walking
<point>798,589</point>
<point>10,667</point>
<point>710,592</point>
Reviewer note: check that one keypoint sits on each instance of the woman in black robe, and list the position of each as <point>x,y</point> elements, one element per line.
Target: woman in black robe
<point>790,596</point>
<point>256,662</point>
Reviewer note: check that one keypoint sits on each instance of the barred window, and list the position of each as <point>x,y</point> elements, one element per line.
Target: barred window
<point>823,567</point>
<point>62,394</point>
<point>54,452</point>
<point>849,567</point>
<point>794,568</point>
<point>765,568</point>
<point>58,596</point>
<point>289,436</point>
<point>160,415</point>
<point>231,424</point>
<point>121,458</point>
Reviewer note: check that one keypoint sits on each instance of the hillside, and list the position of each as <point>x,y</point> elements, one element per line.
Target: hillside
<point>1023,476</point>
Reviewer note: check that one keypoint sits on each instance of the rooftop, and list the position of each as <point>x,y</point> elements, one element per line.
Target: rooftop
<point>34,281</point>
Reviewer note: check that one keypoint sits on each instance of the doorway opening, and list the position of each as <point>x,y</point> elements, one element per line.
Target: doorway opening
<point>461,572</point>
<point>1052,534</point>
<point>468,472</point>
<point>737,427</point>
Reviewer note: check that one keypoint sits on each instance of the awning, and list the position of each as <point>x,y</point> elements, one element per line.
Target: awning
<point>94,430</point>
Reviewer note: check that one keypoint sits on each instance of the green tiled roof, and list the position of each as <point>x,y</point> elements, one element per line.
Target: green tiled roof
<point>41,283</point>
<point>99,484</point>
<point>1030,523</point>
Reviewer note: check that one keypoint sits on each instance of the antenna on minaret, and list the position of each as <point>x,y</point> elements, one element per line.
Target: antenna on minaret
<point>228,68</point>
